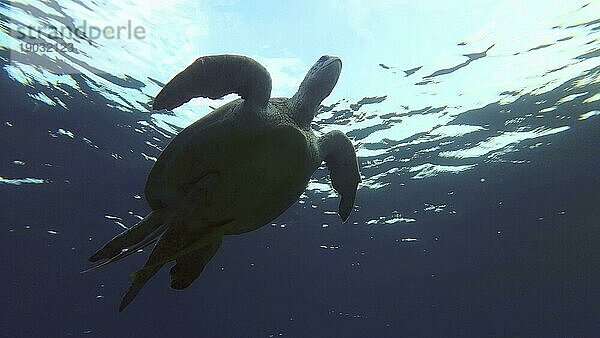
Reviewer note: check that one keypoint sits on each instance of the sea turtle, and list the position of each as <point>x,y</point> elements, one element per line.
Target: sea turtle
<point>235,169</point>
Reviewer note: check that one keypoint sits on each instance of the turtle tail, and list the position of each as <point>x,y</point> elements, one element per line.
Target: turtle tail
<point>144,233</point>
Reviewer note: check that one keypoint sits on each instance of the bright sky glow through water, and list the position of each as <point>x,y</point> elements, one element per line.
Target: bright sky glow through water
<point>405,80</point>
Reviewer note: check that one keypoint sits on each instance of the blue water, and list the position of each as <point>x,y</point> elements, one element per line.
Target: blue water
<point>477,137</point>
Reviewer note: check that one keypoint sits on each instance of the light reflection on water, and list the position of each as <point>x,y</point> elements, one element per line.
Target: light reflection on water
<point>416,109</point>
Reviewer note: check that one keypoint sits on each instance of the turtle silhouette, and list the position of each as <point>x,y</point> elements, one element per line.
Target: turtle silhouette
<point>235,169</point>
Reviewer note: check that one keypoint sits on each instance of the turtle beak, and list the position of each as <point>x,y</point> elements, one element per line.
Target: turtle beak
<point>316,86</point>
<point>323,76</point>
<point>327,60</point>
<point>329,67</point>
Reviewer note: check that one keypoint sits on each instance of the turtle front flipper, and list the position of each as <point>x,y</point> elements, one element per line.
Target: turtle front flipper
<point>338,153</point>
<point>214,77</point>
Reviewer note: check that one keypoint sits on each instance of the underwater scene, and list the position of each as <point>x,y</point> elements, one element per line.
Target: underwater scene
<point>300,169</point>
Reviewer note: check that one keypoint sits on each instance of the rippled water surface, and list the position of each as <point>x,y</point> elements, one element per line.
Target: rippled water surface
<point>475,123</point>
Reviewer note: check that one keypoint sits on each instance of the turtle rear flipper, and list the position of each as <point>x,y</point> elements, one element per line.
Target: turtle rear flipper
<point>135,238</point>
<point>191,265</point>
<point>214,77</point>
<point>165,250</point>
<point>191,252</point>
<point>153,226</point>
<point>177,241</point>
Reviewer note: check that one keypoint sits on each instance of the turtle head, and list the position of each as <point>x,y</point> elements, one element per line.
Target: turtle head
<point>315,87</point>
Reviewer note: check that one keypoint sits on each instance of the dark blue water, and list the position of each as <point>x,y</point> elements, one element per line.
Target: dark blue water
<point>508,248</point>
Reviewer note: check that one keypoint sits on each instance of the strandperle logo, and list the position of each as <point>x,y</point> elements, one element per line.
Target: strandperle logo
<point>41,44</point>
<point>84,30</point>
